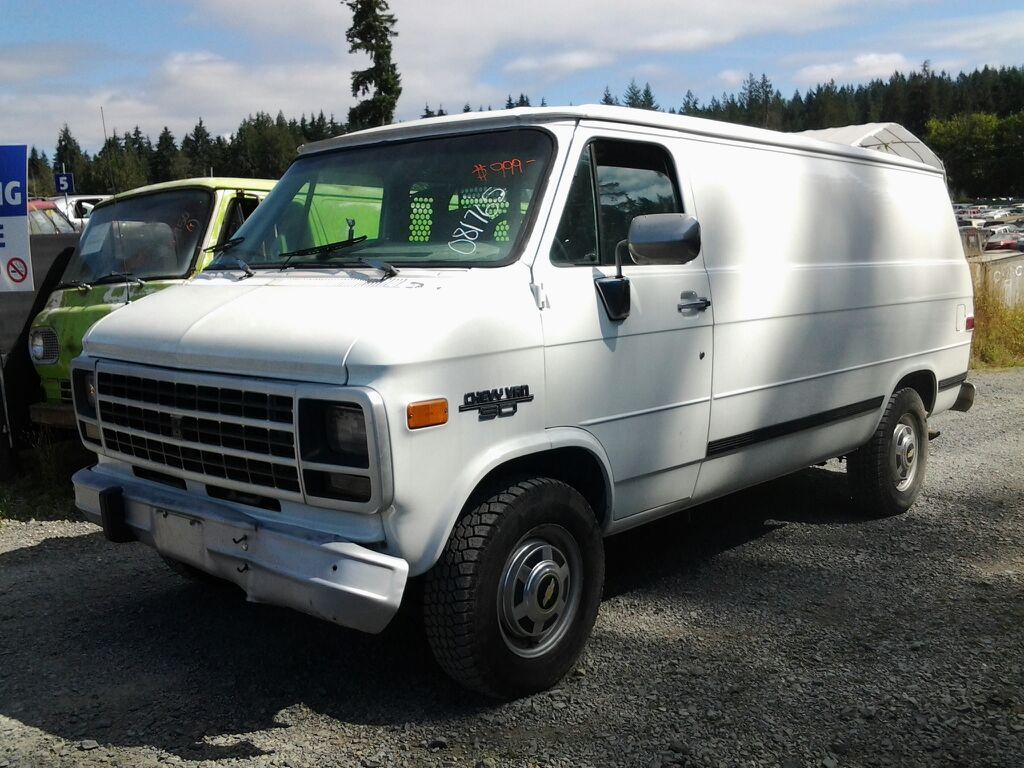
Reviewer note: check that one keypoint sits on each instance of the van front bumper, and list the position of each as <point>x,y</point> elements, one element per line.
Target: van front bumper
<point>309,571</point>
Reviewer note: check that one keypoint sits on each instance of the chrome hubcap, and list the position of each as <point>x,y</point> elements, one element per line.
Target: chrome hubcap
<point>904,457</point>
<point>538,594</point>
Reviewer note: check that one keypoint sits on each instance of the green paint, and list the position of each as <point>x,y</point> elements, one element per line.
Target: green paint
<point>70,312</point>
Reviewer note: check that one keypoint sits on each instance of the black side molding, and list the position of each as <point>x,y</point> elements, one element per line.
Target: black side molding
<point>112,515</point>
<point>952,381</point>
<point>726,445</point>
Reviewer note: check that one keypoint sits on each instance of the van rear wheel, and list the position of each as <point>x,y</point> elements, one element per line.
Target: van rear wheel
<point>886,473</point>
<point>511,602</point>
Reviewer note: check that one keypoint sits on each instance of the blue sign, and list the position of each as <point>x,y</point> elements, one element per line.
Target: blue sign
<point>65,183</point>
<point>15,257</point>
<point>13,181</point>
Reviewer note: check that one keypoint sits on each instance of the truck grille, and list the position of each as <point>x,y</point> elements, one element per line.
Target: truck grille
<point>229,433</point>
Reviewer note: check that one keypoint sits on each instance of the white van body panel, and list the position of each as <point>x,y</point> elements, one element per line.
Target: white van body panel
<point>832,272</point>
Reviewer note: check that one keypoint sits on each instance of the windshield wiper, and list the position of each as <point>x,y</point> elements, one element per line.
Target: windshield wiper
<point>126,276</point>
<point>227,245</point>
<point>321,251</point>
<point>79,284</point>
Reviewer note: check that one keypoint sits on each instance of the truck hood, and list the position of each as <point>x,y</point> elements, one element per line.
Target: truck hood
<point>310,325</point>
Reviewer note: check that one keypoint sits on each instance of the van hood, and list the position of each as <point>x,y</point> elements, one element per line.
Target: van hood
<point>311,325</point>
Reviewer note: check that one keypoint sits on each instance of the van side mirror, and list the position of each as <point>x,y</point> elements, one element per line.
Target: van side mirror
<point>664,238</point>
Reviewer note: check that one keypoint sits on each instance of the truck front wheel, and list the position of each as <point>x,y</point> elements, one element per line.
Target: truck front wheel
<point>886,473</point>
<point>511,602</point>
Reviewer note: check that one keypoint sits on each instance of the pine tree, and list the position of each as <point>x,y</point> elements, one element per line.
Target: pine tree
<point>633,97</point>
<point>70,158</point>
<point>509,104</point>
<point>647,99</point>
<point>428,112</point>
<point>466,107</point>
<point>371,32</point>
<point>166,163</point>
<point>197,151</point>
<point>40,174</point>
<point>691,105</point>
<point>608,99</point>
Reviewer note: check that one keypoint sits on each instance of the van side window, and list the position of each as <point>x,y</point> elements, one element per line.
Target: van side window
<point>576,239</point>
<point>631,179</point>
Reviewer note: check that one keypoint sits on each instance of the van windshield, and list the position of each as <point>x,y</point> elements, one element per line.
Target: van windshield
<point>143,237</point>
<point>453,200</point>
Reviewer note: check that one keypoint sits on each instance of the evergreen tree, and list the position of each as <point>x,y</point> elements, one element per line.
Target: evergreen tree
<point>40,174</point>
<point>647,99</point>
<point>466,107</point>
<point>691,105</point>
<point>371,32</point>
<point>608,99</point>
<point>523,100</point>
<point>633,97</point>
<point>509,104</point>
<point>70,158</point>
<point>428,112</point>
<point>166,163</point>
<point>198,151</point>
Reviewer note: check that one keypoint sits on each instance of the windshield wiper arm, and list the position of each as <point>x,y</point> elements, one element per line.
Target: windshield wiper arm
<point>227,245</point>
<point>389,270</point>
<point>249,272</point>
<point>79,284</point>
<point>321,250</point>
<point>126,276</point>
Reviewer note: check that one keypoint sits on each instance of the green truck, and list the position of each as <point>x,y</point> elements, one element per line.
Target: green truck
<point>135,243</point>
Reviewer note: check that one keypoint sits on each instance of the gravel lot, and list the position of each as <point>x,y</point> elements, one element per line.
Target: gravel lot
<point>774,629</point>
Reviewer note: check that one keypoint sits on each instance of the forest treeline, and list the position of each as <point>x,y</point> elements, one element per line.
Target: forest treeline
<point>973,121</point>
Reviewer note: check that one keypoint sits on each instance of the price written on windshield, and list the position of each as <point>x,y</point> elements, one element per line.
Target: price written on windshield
<point>506,168</point>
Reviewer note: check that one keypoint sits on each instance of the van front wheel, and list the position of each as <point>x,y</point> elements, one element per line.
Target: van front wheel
<point>511,602</point>
<point>886,473</point>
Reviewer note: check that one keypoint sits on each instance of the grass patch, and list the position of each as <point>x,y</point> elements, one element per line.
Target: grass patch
<point>41,488</point>
<point>998,331</point>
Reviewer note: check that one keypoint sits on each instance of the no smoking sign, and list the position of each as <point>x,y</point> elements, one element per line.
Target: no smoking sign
<point>17,270</point>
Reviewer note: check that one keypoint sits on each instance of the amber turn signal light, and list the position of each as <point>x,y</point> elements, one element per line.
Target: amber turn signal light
<point>427,413</point>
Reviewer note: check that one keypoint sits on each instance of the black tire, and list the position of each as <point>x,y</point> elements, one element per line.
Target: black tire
<point>470,595</point>
<point>886,473</point>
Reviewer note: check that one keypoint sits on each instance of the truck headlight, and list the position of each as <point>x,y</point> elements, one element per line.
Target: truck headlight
<point>43,345</point>
<point>333,433</point>
<point>84,384</point>
<point>346,430</point>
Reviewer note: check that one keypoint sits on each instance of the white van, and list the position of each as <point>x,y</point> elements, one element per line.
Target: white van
<point>466,349</point>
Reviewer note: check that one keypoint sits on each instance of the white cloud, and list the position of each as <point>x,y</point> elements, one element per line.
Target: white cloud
<point>979,33</point>
<point>865,66</point>
<point>732,77</point>
<point>559,64</point>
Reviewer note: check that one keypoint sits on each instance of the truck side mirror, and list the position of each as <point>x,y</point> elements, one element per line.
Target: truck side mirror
<point>664,238</point>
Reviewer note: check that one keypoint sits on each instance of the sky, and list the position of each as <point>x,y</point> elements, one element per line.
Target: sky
<point>156,64</point>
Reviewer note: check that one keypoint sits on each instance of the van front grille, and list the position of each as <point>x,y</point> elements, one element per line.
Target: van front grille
<point>235,433</point>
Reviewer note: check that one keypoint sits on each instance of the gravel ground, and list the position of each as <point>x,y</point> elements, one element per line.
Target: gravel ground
<point>774,629</point>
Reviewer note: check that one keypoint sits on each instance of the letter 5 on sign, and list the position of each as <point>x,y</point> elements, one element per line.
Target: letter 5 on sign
<point>15,258</point>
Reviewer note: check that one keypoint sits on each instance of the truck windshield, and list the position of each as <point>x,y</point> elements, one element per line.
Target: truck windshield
<point>454,200</point>
<point>142,237</point>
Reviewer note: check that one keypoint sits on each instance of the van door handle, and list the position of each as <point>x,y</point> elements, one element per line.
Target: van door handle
<point>699,304</point>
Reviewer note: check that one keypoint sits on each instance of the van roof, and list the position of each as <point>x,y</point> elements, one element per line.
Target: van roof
<point>524,116</point>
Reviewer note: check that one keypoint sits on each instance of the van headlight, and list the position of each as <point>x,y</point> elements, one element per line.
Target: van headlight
<point>84,384</point>
<point>346,430</point>
<point>333,433</point>
<point>43,345</point>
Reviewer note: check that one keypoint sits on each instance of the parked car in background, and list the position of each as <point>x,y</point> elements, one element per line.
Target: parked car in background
<point>1006,241</point>
<point>44,218</point>
<point>77,207</point>
<point>134,244</point>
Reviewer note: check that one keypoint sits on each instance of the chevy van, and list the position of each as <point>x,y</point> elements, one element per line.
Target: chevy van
<point>463,350</point>
<point>134,244</point>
